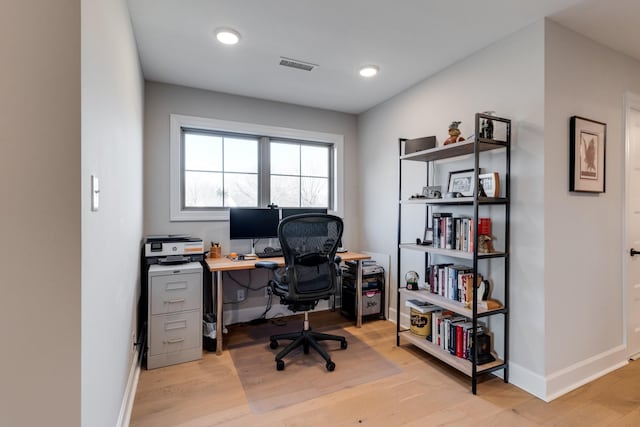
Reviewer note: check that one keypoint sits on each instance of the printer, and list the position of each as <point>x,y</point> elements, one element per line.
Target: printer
<point>173,249</point>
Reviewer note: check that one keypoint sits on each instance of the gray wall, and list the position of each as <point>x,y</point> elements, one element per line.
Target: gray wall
<point>112,101</point>
<point>584,245</point>
<point>506,77</point>
<point>161,100</point>
<point>40,227</point>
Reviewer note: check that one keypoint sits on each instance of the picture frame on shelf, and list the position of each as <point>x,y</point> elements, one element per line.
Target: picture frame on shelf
<point>462,182</point>
<point>490,183</point>
<point>587,143</point>
<point>432,192</point>
<point>428,237</point>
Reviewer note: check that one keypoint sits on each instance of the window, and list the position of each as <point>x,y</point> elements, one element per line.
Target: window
<point>217,164</point>
<point>219,170</point>
<point>300,174</point>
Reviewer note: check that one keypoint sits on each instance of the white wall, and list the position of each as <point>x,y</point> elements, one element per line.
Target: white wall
<point>40,226</point>
<point>112,119</point>
<point>506,77</point>
<point>161,100</point>
<point>584,245</point>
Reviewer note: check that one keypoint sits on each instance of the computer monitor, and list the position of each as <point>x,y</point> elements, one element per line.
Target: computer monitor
<point>253,223</point>
<point>295,211</point>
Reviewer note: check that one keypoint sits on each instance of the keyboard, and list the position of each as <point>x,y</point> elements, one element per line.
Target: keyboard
<point>270,254</point>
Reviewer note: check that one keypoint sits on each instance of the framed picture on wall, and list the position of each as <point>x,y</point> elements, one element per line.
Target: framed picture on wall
<point>587,146</point>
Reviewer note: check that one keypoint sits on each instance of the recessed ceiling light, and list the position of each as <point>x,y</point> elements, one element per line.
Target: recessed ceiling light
<point>369,70</point>
<point>227,36</point>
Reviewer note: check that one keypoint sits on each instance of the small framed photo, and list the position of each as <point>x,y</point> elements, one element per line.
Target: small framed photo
<point>587,144</point>
<point>490,183</point>
<point>432,192</point>
<point>428,236</point>
<point>462,182</point>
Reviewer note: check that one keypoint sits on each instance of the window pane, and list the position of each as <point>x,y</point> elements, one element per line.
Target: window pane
<point>314,160</point>
<point>202,152</point>
<point>202,189</point>
<point>241,189</point>
<point>285,190</point>
<point>240,155</point>
<point>314,192</point>
<point>285,158</point>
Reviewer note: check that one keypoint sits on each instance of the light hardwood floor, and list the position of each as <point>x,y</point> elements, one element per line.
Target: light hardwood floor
<point>425,393</point>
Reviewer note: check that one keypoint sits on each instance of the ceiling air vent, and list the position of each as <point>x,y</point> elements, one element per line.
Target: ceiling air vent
<point>294,63</point>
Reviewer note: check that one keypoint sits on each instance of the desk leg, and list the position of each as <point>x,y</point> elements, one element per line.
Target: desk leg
<point>219,313</point>
<point>359,294</point>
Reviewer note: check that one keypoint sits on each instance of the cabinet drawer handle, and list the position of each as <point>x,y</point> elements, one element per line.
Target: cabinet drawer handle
<point>176,286</point>
<point>174,301</point>
<point>173,341</point>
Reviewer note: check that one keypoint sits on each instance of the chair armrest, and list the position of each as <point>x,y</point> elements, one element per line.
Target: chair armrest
<point>271,265</point>
<point>337,259</point>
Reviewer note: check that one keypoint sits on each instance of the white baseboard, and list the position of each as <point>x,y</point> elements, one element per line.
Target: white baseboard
<point>583,372</point>
<point>527,380</point>
<point>124,417</point>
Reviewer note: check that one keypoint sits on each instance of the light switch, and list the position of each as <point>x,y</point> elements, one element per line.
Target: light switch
<point>95,193</point>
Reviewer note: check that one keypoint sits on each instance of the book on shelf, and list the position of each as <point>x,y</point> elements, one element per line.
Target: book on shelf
<point>421,306</point>
<point>484,226</point>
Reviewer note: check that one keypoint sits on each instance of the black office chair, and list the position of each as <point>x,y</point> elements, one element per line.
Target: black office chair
<point>309,243</point>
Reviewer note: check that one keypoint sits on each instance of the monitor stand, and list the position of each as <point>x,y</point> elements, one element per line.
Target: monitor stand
<point>253,249</point>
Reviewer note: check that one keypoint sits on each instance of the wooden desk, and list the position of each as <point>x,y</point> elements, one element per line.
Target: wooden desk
<point>219,265</point>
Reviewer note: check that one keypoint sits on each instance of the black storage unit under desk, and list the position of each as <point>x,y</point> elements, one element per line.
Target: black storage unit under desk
<point>373,295</point>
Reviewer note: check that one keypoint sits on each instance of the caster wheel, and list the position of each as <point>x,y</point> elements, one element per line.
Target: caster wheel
<point>331,366</point>
<point>280,365</point>
<point>273,344</point>
<point>306,348</point>
<point>343,345</point>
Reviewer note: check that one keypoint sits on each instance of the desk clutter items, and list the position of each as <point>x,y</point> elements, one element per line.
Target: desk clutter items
<point>215,251</point>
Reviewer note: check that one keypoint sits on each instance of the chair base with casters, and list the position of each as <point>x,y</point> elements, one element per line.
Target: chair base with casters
<point>305,339</point>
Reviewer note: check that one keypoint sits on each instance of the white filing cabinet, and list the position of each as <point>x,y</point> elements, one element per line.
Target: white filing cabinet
<point>175,314</point>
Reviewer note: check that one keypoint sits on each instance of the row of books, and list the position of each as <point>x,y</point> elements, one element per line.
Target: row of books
<point>449,331</point>
<point>452,281</point>
<point>457,233</point>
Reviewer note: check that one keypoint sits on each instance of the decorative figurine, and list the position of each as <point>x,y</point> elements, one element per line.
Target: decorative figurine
<point>486,130</point>
<point>454,134</point>
<point>412,280</point>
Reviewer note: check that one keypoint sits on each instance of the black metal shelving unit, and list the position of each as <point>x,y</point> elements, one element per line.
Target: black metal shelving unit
<point>460,150</point>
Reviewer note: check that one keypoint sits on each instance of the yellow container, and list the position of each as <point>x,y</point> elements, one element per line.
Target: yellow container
<point>420,323</point>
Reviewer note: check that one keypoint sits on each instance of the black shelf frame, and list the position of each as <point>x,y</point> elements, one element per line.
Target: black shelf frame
<point>459,149</point>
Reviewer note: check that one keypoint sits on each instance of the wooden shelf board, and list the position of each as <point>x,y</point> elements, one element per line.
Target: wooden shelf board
<point>449,252</point>
<point>453,150</point>
<point>456,201</point>
<point>447,303</point>
<point>462,365</point>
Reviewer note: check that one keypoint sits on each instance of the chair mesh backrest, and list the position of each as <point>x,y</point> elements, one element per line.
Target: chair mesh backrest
<point>309,243</point>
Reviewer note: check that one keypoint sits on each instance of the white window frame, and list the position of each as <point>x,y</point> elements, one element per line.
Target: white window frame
<point>178,122</point>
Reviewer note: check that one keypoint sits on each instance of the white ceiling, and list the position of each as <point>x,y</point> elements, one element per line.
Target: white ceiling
<point>409,40</point>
